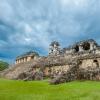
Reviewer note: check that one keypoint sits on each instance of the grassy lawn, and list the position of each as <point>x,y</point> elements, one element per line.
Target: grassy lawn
<point>41,90</point>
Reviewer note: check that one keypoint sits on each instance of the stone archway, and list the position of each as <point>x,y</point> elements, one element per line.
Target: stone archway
<point>95,63</point>
<point>86,46</point>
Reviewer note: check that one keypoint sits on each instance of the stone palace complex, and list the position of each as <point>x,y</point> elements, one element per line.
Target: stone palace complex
<point>79,61</point>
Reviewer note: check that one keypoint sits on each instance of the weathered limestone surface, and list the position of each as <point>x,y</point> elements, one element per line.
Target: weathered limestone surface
<point>51,66</point>
<point>80,61</point>
<point>76,72</point>
<point>32,66</point>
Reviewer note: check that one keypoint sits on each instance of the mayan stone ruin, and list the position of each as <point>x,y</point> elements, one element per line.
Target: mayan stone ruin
<point>80,61</point>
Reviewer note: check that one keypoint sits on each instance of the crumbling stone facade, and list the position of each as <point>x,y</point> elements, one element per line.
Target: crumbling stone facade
<point>28,56</point>
<point>54,48</point>
<point>79,61</point>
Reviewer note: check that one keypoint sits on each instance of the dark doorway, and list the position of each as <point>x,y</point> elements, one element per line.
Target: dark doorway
<point>32,57</point>
<point>76,48</point>
<point>96,62</point>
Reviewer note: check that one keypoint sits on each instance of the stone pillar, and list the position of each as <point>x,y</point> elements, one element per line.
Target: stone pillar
<point>80,48</point>
<point>28,58</point>
<point>92,46</point>
<point>25,59</point>
<point>19,60</point>
<point>22,60</point>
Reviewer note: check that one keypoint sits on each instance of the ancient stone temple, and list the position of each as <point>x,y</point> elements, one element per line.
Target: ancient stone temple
<point>26,57</point>
<point>85,46</point>
<point>78,61</point>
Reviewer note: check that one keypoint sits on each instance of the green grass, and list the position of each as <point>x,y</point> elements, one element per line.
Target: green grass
<point>41,90</point>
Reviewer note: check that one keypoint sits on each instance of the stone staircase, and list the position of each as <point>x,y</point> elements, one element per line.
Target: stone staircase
<point>13,72</point>
<point>27,67</point>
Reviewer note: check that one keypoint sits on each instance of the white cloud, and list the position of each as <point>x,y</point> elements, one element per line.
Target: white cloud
<point>28,28</point>
<point>35,23</point>
<point>77,3</point>
<point>31,18</point>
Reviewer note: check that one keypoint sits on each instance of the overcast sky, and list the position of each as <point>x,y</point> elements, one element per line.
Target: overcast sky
<point>32,24</point>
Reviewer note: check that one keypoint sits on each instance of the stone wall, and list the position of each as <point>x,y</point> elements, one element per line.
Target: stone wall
<point>55,70</point>
<point>52,66</point>
<point>83,63</point>
<point>92,61</point>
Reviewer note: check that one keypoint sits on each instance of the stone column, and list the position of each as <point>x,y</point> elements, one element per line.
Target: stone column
<point>22,60</point>
<point>25,59</point>
<point>92,46</point>
<point>19,60</point>
<point>80,48</point>
<point>28,58</point>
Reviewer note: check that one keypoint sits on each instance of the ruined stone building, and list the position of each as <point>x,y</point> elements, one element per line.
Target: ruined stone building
<point>78,61</point>
<point>54,48</point>
<point>28,56</point>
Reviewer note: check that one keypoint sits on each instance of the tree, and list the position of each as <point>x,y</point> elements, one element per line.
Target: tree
<point>3,65</point>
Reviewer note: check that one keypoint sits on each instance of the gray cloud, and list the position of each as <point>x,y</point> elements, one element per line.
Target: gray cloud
<point>35,23</point>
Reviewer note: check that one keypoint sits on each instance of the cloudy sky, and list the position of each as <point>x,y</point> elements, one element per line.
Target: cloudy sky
<point>32,24</point>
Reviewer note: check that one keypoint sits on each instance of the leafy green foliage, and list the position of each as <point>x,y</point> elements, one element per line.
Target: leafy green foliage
<point>3,65</point>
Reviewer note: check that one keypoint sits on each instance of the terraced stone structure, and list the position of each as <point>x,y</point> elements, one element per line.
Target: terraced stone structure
<point>80,61</point>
